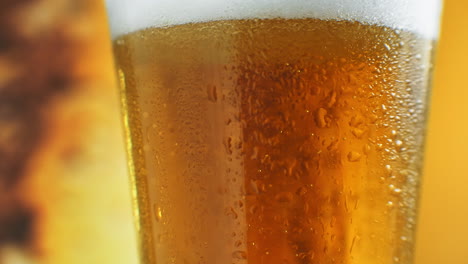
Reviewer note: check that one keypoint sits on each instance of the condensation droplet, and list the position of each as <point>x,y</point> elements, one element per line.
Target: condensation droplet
<point>239,254</point>
<point>356,120</point>
<point>354,156</point>
<point>320,117</point>
<point>388,167</point>
<point>357,132</point>
<point>228,145</point>
<point>232,212</point>
<point>398,143</point>
<point>253,209</point>
<point>254,153</point>
<point>212,93</point>
<point>301,191</point>
<point>158,213</point>
<point>284,197</point>
<point>332,100</point>
<point>257,186</point>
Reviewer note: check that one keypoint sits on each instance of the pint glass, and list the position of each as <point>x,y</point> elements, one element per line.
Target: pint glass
<point>275,131</point>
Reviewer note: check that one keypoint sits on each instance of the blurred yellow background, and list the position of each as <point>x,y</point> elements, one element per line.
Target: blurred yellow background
<point>64,193</point>
<point>443,219</point>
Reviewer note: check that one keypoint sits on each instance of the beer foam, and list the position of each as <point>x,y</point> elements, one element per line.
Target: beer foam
<point>419,16</point>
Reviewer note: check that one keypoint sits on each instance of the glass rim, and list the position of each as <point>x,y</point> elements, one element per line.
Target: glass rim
<point>419,16</point>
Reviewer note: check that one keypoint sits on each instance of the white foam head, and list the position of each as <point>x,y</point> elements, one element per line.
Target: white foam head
<point>420,16</point>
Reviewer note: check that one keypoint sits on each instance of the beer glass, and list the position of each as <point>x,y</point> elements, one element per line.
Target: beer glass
<point>275,131</point>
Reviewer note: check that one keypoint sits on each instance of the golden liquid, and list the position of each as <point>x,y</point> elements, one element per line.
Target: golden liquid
<point>283,141</point>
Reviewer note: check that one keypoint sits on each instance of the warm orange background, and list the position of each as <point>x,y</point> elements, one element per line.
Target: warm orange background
<point>443,219</point>
<point>70,201</point>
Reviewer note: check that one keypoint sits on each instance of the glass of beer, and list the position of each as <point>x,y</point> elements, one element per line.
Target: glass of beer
<point>275,131</point>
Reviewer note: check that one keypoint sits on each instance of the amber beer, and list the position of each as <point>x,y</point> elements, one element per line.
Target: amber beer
<point>275,141</point>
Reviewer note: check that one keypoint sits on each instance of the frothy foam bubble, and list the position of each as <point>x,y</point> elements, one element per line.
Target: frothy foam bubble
<point>420,16</point>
